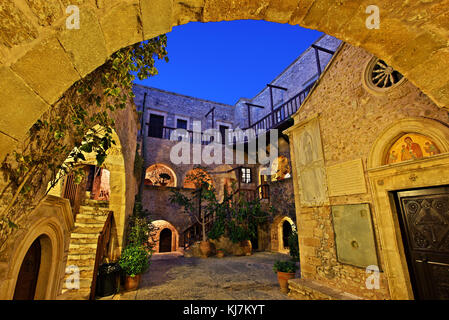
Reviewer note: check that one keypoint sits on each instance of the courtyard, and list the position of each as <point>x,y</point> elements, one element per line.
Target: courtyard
<point>172,276</point>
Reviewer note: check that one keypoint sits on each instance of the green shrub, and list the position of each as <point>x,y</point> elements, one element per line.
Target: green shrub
<point>285,266</point>
<point>134,260</point>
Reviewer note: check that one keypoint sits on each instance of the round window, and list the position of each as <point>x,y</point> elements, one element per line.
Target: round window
<point>381,77</point>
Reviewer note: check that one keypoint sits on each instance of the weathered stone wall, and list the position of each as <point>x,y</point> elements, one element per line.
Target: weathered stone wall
<point>172,105</point>
<point>351,119</point>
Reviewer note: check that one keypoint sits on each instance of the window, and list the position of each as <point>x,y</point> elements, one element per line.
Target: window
<point>380,77</point>
<point>156,126</point>
<point>181,124</point>
<point>246,175</point>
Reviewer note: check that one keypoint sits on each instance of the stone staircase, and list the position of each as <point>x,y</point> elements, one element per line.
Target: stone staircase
<point>83,247</point>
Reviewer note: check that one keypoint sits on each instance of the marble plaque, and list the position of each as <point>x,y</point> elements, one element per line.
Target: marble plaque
<point>309,161</point>
<point>354,235</point>
<point>346,178</point>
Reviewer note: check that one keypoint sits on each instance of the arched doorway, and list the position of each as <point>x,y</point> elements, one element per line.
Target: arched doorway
<point>281,228</point>
<point>286,232</point>
<point>406,171</point>
<point>28,274</point>
<point>195,177</point>
<point>165,240</point>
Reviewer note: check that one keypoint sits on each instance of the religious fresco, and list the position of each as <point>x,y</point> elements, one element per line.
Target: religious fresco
<point>160,175</point>
<point>411,146</point>
<point>310,164</point>
<point>280,169</point>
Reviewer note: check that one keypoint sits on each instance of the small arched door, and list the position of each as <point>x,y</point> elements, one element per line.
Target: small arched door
<point>286,232</point>
<point>28,274</point>
<point>165,239</point>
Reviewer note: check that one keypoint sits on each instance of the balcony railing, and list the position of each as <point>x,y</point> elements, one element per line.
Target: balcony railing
<point>282,113</point>
<point>270,121</point>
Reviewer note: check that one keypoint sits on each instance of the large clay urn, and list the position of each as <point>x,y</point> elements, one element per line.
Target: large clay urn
<point>283,278</point>
<point>247,247</point>
<point>205,249</point>
<point>132,283</point>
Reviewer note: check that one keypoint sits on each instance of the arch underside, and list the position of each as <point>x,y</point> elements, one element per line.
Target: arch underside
<point>40,59</point>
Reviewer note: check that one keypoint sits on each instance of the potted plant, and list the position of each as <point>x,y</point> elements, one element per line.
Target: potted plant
<point>285,270</point>
<point>134,261</point>
<point>220,253</point>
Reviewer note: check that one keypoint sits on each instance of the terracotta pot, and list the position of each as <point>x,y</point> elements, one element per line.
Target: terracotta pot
<point>132,283</point>
<point>283,278</point>
<point>205,249</point>
<point>220,253</point>
<point>247,247</point>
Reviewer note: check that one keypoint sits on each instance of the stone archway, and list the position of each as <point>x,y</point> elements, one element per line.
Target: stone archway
<point>50,224</point>
<point>412,38</point>
<point>165,231</point>
<point>160,174</point>
<point>277,233</point>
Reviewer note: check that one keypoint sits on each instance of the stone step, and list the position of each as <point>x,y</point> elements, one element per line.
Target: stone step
<point>83,246</point>
<point>80,294</point>
<point>83,241</point>
<point>92,214</point>
<point>83,256</point>
<point>84,274</point>
<point>76,234</point>
<point>83,284</point>
<point>97,203</point>
<point>82,263</point>
<point>96,224</point>
<point>86,268</point>
<point>96,210</point>
<point>88,230</point>
<point>88,219</point>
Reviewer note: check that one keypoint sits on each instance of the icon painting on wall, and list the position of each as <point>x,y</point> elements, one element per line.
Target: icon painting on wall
<point>412,146</point>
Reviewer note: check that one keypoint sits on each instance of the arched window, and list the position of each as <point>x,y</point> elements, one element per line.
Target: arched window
<point>195,177</point>
<point>411,146</point>
<point>160,175</point>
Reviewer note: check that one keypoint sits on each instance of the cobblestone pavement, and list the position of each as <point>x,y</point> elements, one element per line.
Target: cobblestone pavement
<point>174,277</point>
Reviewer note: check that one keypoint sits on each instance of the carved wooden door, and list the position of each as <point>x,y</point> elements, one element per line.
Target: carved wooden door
<point>425,225</point>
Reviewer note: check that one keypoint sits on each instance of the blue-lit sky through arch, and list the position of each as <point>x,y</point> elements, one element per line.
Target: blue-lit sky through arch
<point>225,61</point>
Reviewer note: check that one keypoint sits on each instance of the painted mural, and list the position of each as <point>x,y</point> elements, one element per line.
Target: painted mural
<point>411,146</point>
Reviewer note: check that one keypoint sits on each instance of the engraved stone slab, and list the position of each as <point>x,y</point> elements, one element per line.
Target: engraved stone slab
<point>354,235</point>
<point>310,164</point>
<point>346,178</point>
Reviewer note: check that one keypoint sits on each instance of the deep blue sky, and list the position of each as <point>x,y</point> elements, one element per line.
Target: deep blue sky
<point>225,61</point>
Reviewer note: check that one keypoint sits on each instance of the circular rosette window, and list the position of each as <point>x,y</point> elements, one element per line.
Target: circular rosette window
<point>380,77</point>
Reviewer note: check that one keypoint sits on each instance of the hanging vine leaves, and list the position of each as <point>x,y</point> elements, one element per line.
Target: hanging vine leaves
<point>80,122</point>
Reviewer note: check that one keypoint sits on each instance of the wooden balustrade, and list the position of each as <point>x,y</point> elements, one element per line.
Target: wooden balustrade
<point>102,247</point>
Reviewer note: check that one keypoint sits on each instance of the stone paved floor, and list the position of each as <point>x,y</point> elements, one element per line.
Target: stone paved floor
<point>174,277</point>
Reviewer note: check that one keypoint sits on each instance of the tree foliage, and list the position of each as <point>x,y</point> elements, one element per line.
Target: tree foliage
<point>80,122</point>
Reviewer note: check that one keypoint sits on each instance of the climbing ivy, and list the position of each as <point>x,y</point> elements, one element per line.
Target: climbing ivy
<point>80,122</point>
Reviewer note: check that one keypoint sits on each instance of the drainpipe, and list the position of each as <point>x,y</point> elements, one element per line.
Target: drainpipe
<point>143,147</point>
